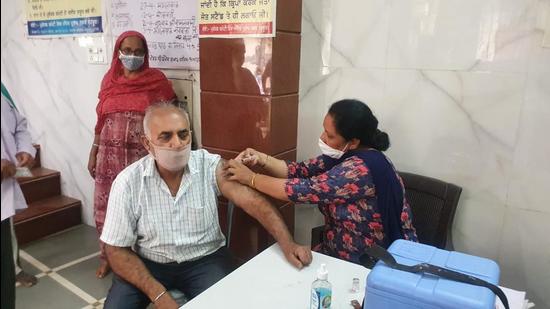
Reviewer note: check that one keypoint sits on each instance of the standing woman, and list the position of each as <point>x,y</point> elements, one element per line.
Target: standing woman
<point>127,89</point>
<point>354,184</point>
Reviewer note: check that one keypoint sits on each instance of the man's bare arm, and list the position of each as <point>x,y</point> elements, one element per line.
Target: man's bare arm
<point>259,207</point>
<point>129,267</point>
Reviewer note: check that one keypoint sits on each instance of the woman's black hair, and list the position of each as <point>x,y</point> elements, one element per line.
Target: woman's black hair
<point>354,119</point>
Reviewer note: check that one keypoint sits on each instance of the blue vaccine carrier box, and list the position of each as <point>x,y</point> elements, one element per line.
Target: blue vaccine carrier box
<point>396,289</point>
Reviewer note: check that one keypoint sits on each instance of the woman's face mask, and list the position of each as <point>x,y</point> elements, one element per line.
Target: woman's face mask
<point>131,62</point>
<point>172,159</point>
<point>331,152</point>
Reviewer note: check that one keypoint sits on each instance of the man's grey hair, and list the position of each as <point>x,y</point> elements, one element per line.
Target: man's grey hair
<point>158,106</point>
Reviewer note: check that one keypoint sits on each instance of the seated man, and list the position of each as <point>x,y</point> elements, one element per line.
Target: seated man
<point>161,230</point>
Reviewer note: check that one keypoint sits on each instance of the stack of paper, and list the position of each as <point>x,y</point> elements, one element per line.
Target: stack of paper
<point>516,300</point>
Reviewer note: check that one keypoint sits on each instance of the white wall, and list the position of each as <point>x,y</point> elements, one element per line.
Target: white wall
<point>463,89</point>
<point>461,86</point>
<point>56,89</point>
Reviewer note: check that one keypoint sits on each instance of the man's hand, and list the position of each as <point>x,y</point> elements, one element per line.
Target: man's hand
<point>24,159</point>
<point>260,208</point>
<point>166,302</point>
<point>127,265</point>
<point>8,169</point>
<point>297,255</point>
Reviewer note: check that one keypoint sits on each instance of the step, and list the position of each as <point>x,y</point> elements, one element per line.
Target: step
<point>47,216</point>
<point>45,183</point>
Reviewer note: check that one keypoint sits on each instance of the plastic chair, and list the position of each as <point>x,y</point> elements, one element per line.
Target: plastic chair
<point>433,203</point>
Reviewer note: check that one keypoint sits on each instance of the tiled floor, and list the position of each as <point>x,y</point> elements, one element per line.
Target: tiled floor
<point>65,265</point>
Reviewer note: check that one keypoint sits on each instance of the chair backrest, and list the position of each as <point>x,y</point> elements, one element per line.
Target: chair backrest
<point>433,203</point>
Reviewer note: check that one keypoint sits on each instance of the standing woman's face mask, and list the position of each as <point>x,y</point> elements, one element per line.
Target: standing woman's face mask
<point>331,143</point>
<point>132,53</point>
<point>131,62</point>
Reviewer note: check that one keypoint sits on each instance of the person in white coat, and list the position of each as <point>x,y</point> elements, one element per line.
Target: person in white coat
<point>17,151</point>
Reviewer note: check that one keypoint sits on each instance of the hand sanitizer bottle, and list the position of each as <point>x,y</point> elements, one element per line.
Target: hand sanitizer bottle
<point>321,290</point>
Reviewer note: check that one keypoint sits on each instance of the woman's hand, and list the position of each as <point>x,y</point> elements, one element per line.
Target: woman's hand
<point>92,161</point>
<point>237,171</point>
<point>251,157</point>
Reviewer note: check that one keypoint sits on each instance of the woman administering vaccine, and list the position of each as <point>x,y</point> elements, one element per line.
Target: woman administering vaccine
<point>355,186</point>
<point>127,89</point>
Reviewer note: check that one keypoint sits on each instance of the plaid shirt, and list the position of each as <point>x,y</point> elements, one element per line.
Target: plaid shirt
<point>144,215</point>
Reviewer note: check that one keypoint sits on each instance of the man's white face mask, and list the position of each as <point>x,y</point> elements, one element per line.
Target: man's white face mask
<point>331,152</point>
<point>172,159</point>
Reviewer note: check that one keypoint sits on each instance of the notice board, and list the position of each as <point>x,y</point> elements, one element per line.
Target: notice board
<point>57,18</point>
<point>169,26</point>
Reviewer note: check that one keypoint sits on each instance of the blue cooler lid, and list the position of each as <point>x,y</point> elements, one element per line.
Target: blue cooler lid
<point>433,290</point>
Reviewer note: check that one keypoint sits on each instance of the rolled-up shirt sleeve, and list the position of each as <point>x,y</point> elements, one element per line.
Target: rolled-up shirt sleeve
<point>22,136</point>
<point>211,162</point>
<point>120,221</point>
<point>346,181</point>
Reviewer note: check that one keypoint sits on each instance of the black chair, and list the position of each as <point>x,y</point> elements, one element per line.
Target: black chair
<point>433,203</point>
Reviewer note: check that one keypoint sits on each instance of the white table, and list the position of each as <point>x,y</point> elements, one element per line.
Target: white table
<point>269,281</point>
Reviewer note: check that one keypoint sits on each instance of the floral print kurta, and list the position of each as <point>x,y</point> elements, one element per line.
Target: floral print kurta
<point>347,197</point>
